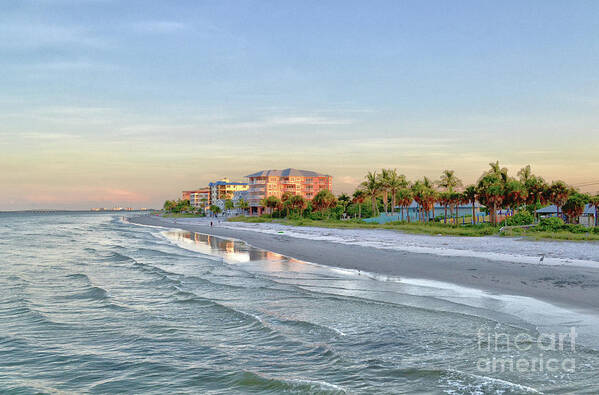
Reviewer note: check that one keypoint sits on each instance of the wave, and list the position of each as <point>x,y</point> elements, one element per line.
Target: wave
<point>257,382</point>
<point>91,293</point>
<point>37,316</point>
<point>463,382</point>
<point>79,276</point>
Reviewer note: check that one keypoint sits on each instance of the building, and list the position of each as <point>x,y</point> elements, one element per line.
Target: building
<point>185,195</point>
<point>276,182</point>
<point>587,218</point>
<point>200,198</point>
<point>412,213</point>
<point>225,189</point>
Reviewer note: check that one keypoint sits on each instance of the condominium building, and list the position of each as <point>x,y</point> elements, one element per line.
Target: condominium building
<point>185,195</point>
<point>200,198</point>
<point>225,189</point>
<point>276,182</point>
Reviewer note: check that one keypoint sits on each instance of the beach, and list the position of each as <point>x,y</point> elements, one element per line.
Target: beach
<point>571,283</point>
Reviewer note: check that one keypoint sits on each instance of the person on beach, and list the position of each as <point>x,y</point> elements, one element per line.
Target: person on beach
<point>211,224</point>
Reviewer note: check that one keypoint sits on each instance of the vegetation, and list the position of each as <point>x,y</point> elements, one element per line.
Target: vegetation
<point>242,205</point>
<point>519,219</point>
<point>229,205</point>
<point>178,206</point>
<point>418,228</point>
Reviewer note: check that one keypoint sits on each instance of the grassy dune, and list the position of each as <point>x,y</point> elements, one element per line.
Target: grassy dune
<point>418,228</point>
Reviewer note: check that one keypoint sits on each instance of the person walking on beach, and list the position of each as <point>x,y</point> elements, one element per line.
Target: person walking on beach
<point>211,224</point>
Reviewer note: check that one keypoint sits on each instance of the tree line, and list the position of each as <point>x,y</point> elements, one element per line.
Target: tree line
<point>184,206</point>
<point>495,190</point>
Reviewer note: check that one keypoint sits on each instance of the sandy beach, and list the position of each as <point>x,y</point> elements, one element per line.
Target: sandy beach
<point>572,283</point>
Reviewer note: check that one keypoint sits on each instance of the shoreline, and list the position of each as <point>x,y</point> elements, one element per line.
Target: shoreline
<point>567,286</point>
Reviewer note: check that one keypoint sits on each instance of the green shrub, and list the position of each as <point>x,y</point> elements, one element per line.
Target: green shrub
<point>521,218</point>
<point>316,216</point>
<point>576,228</point>
<point>596,230</point>
<point>551,224</point>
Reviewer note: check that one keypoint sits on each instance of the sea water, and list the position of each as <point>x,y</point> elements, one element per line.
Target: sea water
<point>91,303</point>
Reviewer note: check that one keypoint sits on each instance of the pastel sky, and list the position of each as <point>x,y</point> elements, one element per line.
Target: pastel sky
<point>110,102</point>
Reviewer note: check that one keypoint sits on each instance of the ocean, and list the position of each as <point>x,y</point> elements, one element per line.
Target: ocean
<point>91,303</point>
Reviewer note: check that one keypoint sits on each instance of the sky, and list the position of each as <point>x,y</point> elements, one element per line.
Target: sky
<point>108,102</point>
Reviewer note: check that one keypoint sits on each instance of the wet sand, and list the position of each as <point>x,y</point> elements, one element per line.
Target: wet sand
<point>568,286</point>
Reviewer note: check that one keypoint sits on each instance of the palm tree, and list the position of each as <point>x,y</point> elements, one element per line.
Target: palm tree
<point>169,205</point>
<point>417,188</point>
<point>324,200</point>
<point>574,206</point>
<point>515,194</point>
<point>396,182</point>
<point>525,174</point>
<point>243,205</point>
<point>215,209</point>
<point>358,198</point>
<point>284,198</point>
<point>229,205</point>
<point>404,199</point>
<point>424,195</point>
<point>344,200</point>
<point>470,195</point>
<point>445,199</point>
<point>455,199</point>
<point>536,188</point>
<point>298,203</point>
<point>491,191</point>
<point>384,180</point>
<point>449,181</point>
<point>498,170</point>
<point>272,202</point>
<point>594,200</point>
<point>372,189</point>
<point>204,203</point>
<point>558,193</point>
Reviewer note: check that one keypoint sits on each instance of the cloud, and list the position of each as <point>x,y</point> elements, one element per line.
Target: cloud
<point>158,27</point>
<point>27,35</point>
<point>72,65</point>
<point>287,121</point>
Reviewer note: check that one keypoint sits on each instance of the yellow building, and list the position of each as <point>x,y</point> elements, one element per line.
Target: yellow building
<point>225,189</point>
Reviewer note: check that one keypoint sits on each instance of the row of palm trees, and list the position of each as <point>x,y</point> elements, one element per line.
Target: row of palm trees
<point>292,203</point>
<point>494,189</point>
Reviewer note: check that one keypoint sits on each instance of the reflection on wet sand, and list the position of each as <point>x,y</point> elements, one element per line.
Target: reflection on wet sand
<point>231,250</point>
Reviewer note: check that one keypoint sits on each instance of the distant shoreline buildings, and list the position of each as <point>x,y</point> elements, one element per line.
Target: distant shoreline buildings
<point>260,185</point>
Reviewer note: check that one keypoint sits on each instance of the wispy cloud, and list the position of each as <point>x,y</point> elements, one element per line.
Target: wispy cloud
<point>73,65</point>
<point>159,26</point>
<point>287,121</point>
<point>27,35</point>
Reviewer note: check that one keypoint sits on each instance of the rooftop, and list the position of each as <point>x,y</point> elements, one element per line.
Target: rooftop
<point>552,209</point>
<point>287,173</point>
<point>226,183</point>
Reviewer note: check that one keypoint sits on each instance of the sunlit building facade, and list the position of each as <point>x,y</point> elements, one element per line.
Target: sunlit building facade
<point>225,189</point>
<point>276,182</point>
<point>200,198</point>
